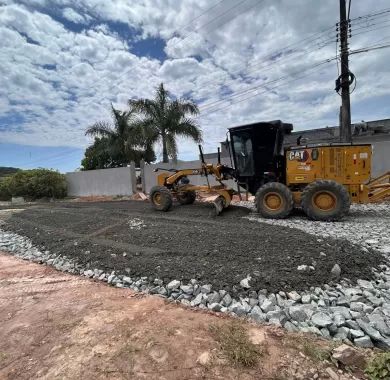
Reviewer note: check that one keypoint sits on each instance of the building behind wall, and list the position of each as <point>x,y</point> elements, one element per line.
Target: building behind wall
<point>376,133</point>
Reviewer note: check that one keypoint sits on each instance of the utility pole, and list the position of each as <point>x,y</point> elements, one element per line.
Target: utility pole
<point>345,125</point>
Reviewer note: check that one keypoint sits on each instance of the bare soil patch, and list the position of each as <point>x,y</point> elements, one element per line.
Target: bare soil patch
<point>59,326</point>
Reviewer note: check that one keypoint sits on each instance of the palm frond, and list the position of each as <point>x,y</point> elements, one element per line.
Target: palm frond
<point>187,106</point>
<point>189,128</point>
<point>100,128</point>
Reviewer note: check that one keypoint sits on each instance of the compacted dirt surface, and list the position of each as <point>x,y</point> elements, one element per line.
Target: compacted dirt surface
<point>60,326</point>
<point>189,242</point>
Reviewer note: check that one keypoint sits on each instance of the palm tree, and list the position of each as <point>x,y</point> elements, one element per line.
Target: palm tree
<point>165,119</point>
<point>123,139</point>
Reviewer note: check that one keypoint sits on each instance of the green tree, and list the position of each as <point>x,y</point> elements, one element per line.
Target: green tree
<point>99,155</point>
<point>165,119</point>
<point>118,143</point>
<point>37,183</point>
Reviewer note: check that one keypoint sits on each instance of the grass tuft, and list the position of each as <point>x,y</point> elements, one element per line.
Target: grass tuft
<point>235,344</point>
<point>379,367</point>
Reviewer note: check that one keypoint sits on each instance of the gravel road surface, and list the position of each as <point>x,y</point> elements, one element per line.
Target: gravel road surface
<point>186,243</point>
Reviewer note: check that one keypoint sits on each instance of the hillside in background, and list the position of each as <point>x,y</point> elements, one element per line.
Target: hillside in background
<point>5,171</point>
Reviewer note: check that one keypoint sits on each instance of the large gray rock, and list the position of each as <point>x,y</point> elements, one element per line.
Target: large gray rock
<point>357,306</point>
<point>213,297</point>
<point>253,301</point>
<point>335,272</point>
<point>197,300</point>
<point>298,313</point>
<point>206,289</point>
<point>356,333</point>
<point>369,330</point>
<point>379,323</point>
<point>238,309</point>
<point>173,285</point>
<point>295,296</point>
<point>267,306</point>
<point>257,314</point>
<point>365,284</point>
<point>375,301</point>
<point>215,306</point>
<point>338,319</point>
<point>226,300</point>
<point>89,273</point>
<point>277,315</point>
<point>306,298</point>
<point>344,311</point>
<point>290,326</point>
<point>244,283</point>
<point>342,333</point>
<point>187,289</point>
<point>364,342</point>
<point>321,319</point>
<point>352,324</point>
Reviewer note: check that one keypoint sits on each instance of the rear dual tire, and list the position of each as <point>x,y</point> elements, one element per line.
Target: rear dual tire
<point>325,200</point>
<point>274,200</point>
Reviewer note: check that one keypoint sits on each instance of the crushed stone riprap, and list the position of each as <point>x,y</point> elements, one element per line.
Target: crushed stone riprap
<point>367,225</point>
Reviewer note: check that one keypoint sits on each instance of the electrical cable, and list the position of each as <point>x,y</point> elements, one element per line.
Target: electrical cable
<point>199,16</point>
<point>208,23</point>
<point>266,84</point>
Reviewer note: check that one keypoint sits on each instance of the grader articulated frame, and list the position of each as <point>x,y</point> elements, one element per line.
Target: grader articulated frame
<point>178,185</point>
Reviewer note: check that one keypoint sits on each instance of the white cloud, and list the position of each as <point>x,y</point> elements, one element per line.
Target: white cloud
<point>71,15</point>
<point>61,81</point>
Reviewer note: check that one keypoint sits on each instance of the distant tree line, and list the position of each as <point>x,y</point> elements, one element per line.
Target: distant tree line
<point>132,134</point>
<point>33,184</point>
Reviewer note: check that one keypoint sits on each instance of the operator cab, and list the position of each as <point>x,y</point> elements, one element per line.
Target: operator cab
<point>257,151</point>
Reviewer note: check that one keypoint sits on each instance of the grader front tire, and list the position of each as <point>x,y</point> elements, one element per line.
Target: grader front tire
<point>186,197</point>
<point>161,198</point>
<point>274,200</point>
<point>325,200</point>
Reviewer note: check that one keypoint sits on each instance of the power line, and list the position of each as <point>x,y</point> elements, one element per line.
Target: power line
<point>371,15</point>
<point>243,91</point>
<point>265,91</point>
<point>208,23</point>
<point>264,85</point>
<point>368,48</point>
<point>199,16</point>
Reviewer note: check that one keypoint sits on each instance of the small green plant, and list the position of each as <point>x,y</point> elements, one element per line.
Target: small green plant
<point>314,352</point>
<point>3,356</point>
<point>378,368</point>
<point>235,344</point>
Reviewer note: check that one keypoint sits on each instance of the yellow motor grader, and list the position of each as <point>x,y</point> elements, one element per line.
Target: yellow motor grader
<point>322,179</point>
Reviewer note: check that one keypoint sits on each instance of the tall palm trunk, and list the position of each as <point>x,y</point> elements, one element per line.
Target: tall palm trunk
<point>165,150</point>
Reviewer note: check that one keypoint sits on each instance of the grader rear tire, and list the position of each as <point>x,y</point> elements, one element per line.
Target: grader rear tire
<point>186,197</point>
<point>274,200</point>
<point>161,198</point>
<point>325,200</point>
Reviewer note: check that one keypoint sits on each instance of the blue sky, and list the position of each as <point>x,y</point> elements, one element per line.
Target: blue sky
<point>64,61</point>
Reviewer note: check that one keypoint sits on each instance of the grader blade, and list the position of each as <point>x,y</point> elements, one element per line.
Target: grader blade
<point>219,204</point>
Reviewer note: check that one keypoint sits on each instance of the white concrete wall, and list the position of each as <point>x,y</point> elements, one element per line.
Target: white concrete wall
<point>116,181</point>
<point>149,177</point>
<point>381,158</point>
